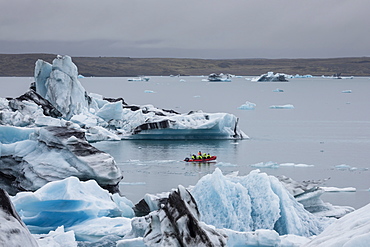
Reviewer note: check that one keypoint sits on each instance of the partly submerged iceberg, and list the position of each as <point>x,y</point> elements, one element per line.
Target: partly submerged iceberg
<point>30,158</point>
<point>287,106</point>
<point>256,201</point>
<point>57,84</point>
<point>270,76</point>
<point>70,203</point>
<point>247,106</point>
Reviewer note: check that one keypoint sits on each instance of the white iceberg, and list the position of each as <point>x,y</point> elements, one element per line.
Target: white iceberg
<point>58,97</point>
<point>287,106</point>
<point>271,77</point>
<point>247,106</point>
<point>236,203</point>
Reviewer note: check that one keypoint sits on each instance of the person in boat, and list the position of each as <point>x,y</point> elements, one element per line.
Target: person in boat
<point>204,156</point>
<point>193,157</point>
<point>200,155</point>
<point>208,156</point>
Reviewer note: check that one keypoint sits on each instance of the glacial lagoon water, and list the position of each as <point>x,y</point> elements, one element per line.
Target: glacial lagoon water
<point>327,128</point>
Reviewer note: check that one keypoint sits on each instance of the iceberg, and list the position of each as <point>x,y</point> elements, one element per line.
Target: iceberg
<point>270,76</point>
<point>308,193</point>
<point>30,158</point>
<point>58,84</point>
<point>247,106</point>
<point>58,97</point>
<point>70,202</point>
<point>236,203</point>
<point>287,106</point>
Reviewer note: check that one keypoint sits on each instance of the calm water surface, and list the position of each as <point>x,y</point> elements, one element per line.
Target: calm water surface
<point>326,128</point>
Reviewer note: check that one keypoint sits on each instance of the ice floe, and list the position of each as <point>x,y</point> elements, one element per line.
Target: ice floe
<point>287,106</point>
<point>247,106</point>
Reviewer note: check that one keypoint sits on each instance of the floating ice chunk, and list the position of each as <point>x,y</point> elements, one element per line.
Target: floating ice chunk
<point>49,156</point>
<point>255,201</point>
<point>93,229</point>
<point>335,189</point>
<point>303,165</point>
<point>225,164</point>
<point>259,237</point>
<point>308,193</point>
<point>296,165</point>
<point>345,167</point>
<point>149,91</point>
<point>278,90</point>
<point>68,202</point>
<point>270,76</point>
<point>288,106</point>
<point>271,164</point>
<point>247,106</point>
<point>268,164</point>
<point>347,91</point>
<point>57,238</point>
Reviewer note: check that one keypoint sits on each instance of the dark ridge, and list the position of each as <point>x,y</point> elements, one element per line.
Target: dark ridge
<point>24,64</point>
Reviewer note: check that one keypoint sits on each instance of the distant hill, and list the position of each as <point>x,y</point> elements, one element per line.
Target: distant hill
<point>24,64</point>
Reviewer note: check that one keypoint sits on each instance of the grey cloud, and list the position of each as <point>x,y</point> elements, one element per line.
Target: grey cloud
<point>192,28</point>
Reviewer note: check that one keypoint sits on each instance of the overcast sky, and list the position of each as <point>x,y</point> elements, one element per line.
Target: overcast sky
<point>187,28</point>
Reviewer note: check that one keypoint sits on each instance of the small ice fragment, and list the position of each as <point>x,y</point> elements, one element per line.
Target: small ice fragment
<point>247,106</point>
<point>288,106</point>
